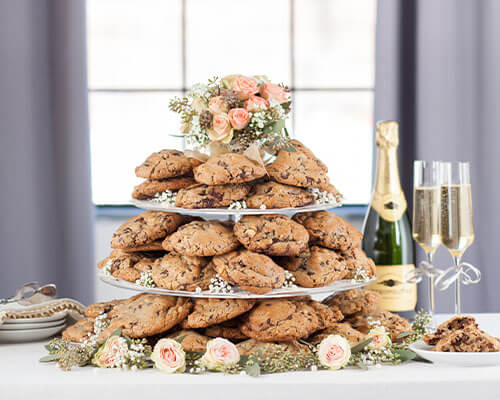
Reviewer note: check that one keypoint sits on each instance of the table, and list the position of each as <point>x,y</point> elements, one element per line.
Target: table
<point>22,377</point>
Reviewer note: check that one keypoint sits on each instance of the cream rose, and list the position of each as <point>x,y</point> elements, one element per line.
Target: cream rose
<point>239,118</point>
<point>220,354</point>
<point>221,130</point>
<point>216,105</point>
<point>256,103</point>
<point>271,91</point>
<point>245,86</point>
<point>112,353</point>
<point>334,352</point>
<point>380,338</point>
<point>169,356</point>
<point>198,104</point>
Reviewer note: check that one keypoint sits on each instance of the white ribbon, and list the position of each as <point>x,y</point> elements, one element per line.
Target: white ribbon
<point>424,269</point>
<point>465,273</point>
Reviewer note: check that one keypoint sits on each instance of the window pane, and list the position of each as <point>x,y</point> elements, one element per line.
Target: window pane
<point>134,43</point>
<point>125,129</point>
<point>228,37</point>
<point>338,128</point>
<point>335,43</point>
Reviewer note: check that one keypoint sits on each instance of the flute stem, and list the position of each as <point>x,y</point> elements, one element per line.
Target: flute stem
<point>458,296</point>
<point>432,301</point>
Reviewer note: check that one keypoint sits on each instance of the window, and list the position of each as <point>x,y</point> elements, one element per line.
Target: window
<point>143,52</point>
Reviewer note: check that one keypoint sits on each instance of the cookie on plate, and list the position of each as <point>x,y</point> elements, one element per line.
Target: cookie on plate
<point>145,228</point>
<point>444,329</point>
<point>392,322</point>
<point>255,273</point>
<point>272,234</point>
<point>252,347</point>
<point>316,267</point>
<point>285,320</point>
<point>79,331</point>
<point>146,315</point>
<point>299,168</point>
<point>356,261</point>
<point>204,196</point>
<point>469,340</point>
<point>354,301</point>
<point>192,340</point>
<point>164,164</point>
<point>179,272</point>
<point>129,266</point>
<point>276,195</point>
<point>212,311</point>
<point>96,309</point>
<point>344,329</point>
<point>201,238</point>
<point>328,230</point>
<point>228,168</point>
<point>148,189</point>
<point>228,329</point>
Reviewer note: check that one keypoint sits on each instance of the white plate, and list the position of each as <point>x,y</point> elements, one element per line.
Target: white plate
<point>34,325</point>
<point>157,206</point>
<point>336,286</point>
<point>54,317</point>
<point>457,359</point>
<point>30,335</point>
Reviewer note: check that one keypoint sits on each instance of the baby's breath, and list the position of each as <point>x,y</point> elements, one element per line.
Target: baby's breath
<point>146,279</point>
<point>219,285</point>
<point>289,281</point>
<point>360,275</point>
<point>168,197</point>
<point>322,197</point>
<point>238,205</point>
<point>107,267</point>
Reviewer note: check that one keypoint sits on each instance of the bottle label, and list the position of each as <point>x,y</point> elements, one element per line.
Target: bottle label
<point>396,295</point>
<point>390,206</point>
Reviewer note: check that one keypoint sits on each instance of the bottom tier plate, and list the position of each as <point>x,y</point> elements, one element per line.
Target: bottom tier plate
<point>337,286</point>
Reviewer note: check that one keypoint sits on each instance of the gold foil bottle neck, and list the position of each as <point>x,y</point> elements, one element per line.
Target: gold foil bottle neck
<point>387,134</point>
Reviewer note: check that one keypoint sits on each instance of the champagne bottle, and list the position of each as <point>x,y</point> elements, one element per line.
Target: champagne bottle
<point>387,236</point>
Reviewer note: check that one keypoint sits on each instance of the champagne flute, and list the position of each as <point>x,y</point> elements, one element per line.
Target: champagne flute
<point>456,225</point>
<point>426,205</point>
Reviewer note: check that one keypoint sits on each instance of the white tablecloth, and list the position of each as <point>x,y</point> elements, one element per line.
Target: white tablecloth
<point>23,377</point>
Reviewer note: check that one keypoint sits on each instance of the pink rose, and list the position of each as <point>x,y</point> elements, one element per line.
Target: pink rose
<point>112,353</point>
<point>256,103</point>
<point>239,118</point>
<point>221,128</point>
<point>334,352</point>
<point>217,105</point>
<point>220,354</point>
<point>169,356</point>
<point>271,91</point>
<point>245,86</point>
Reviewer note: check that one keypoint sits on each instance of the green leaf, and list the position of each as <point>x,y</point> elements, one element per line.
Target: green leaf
<point>274,127</point>
<point>194,353</point>
<point>181,338</point>
<point>420,359</point>
<point>361,346</point>
<point>253,369</point>
<point>405,355</point>
<point>173,135</point>
<point>362,365</point>
<point>118,332</point>
<point>243,360</point>
<point>259,352</point>
<point>404,334</point>
<point>49,358</point>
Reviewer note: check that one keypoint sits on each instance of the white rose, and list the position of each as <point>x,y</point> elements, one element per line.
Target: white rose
<point>220,354</point>
<point>169,356</point>
<point>380,338</point>
<point>334,352</point>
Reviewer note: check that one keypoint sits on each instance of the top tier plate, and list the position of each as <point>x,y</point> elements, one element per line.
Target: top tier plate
<point>158,206</point>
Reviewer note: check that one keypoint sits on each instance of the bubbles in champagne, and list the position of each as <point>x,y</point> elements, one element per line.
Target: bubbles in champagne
<point>426,217</point>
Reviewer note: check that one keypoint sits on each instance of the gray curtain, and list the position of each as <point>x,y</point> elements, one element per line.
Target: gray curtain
<point>437,72</point>
<point>45,200</point>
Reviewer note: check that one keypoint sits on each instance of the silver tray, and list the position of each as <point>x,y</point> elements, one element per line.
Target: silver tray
<point>157,206</point>
<point>337,286</point>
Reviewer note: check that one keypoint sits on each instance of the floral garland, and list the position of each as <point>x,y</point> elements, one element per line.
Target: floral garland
<point>236,110</point>
<point>334,352</point>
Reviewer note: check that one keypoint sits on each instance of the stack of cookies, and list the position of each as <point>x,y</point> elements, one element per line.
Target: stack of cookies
<point>290,181</point>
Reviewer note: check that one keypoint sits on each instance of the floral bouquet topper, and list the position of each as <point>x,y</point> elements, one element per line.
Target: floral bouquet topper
<point>235,112</point>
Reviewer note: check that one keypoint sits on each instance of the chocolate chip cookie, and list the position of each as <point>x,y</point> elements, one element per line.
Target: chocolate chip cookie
<point>392,322</point>
<point>272,234</point>
<point>145,228</point>
<point>299,168</point>
<point>328,230</point>
<point>202,238</point>
<point>80,331</point>
<point>147,315</point>
<point>354,301</point>
<point>276,195</point>
<point>470,340</point>
<point>228,329</point>
<point>192,340</point>
<point>228,168</point>
<point>286,320</point>
<point>129,266</point>
<point>164,164</point>
<point>96,309</point>
<point>444,329</point>
<point>252,347</point>
<point>204,196</point>
<point>344,329</point>
<point>148,189</point>
<point>249,271</point>
<point>357,260</point>
<point>208,312</point>
<point>179,272</point>
<point>316,267</point>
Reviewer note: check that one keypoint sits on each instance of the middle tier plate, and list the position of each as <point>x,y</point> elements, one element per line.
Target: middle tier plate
<point>337,286</point>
